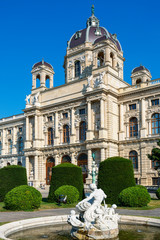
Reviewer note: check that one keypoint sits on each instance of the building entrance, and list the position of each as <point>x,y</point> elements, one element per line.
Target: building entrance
<point>49,164</point>
<point>83,163</point>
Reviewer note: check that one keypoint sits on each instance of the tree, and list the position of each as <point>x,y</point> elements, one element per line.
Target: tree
<point>155,156</point>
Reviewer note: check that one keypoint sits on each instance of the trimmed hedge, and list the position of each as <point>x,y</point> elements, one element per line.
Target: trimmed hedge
<point>66,174</point>
<point>134,197</point>
<point>158,193</point>
<point>11,177</point>
<point>69,191</point>
<point>115,174</point>
<point>23,198</point>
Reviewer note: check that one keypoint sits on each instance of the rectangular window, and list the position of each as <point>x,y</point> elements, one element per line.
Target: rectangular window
<point>155,181</point>
<point>9,131</point>
<point>132,106</point>
<point>82,111</point>
<point>155,102</point>
<point>65,115</point>
<point>20,129</point>
<point>49,119</point>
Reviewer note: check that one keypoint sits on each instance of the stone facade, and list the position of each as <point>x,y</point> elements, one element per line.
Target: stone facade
<point>94,111</point>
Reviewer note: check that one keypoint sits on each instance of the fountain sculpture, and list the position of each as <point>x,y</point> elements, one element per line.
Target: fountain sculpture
<point>95,221</point>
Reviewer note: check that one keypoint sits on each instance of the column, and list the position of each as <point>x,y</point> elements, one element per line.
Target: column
<point>56,138</point>
<point>149,128</point>
<point>72,136</point>
<point>103,130</point>
<point>127,131</point>
<point>114,61</point>
<point>102,112</point>
<point>102,154</point>
<point>27,166</point>
<point>36,168</point>
<point>14,150</point>
<point>89,161</point>
<point>51,81</point>
<point>27,128</point>
<point>121,124</point>
<point>107,59</point>
<point>35,127</point>
<point>89,117</point>
<point>3,141</point>
<point>73,158</point>
<point>143,128</point>
<point>56,160</point>
<point>33,81</point>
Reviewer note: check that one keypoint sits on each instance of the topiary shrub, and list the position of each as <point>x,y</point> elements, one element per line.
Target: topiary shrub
<point>158,193</point>
<point>23,198</point>
<point>143,187</point>
<point>134,197</point>
<point>115,174</point>
<point>69,191</point>
<point>11,177</point>
<point>66,174</point>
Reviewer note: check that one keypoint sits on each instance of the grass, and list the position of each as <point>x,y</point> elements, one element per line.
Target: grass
<point>154,203</point>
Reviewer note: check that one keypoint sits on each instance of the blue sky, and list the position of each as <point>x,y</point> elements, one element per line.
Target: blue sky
<point>35,29</point>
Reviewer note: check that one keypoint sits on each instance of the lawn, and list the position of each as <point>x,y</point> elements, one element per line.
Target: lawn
<point>154,203</point>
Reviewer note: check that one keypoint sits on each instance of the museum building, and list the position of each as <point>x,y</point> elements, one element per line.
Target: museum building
<point>94,111</point>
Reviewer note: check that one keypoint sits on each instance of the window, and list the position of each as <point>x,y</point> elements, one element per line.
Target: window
<point>19,163</point>
<point>65,133</point>
<point>155,181</point>
<point>49,118</point>
<point>82,131</point>
<point>66,159</point>
<point>50,136</point>
<point>132,106</point>
<point>100,59</point>
<point>134,157</point>
<point>82,111</point>
<point>77,68</point>
<point>155,102</point>
<point>155,123</point>
<point>111,56</point>
<point>78,35</point>
<point>138,81</point>
<point>20,129</point>
<point>9,131</point>
<point>20,144</point>
<point>65,115</point>
<point>9,146</point>
<point>155,164</point>
<point>133,127</point>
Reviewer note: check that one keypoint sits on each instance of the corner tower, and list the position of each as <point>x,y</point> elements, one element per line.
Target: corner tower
<point>42,71</point>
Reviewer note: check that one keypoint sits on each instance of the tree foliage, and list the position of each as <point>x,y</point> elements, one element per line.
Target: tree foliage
<point>155,155</point>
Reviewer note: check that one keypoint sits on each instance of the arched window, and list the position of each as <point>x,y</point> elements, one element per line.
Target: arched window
<point>9,146</point>
<point>77,68</point>
<point>134,157</point>
<point>50,163</point>
<point>83,163</point>
<point>82,131</point>
<point>66,159</point>
<point>50,136</point>
<point>65,133</point>
<point>0,147</point>
<point>19,163</point>
<point>100,59</point>
<point>138,81</point>
<point>156,123</point>
<point>47,81</point>
<point>133,127</point>
<point>38,81</point>
<point>20,144</point>
<point>111,56</point>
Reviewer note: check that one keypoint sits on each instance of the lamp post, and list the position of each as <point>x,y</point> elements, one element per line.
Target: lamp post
<point>94,171</point>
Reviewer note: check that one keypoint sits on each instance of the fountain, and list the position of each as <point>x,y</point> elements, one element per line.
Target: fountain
<point>94,221</point>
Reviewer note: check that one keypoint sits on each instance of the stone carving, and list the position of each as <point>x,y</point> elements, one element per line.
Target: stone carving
<point>82,59</point>
<point>32,100</point>
<point>98,82</point>
<point>94,221</point>
<point>36,99</point>
<point>90,59</point>
<point>27,99</point>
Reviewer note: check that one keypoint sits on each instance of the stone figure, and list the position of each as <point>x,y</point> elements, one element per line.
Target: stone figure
<point>94,219</point>
<point>89,79</point>
<point>36,98</point>
<point>27,99</point>
<point>101,76</point>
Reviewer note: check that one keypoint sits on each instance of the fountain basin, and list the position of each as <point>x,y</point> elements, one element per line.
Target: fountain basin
<point>7,229</point>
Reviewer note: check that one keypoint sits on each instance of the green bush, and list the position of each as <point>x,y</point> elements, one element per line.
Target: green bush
<point>134,197</point>
<point>69,191</point>
<point>11,177</point>
<point>23,198</point>
<point>115,174</point>
<point>66,174</point>
<point>158,193</point>
<point>141,186</point>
